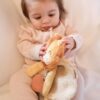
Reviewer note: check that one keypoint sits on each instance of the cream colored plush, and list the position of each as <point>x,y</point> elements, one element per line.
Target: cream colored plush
<point>52,58</point>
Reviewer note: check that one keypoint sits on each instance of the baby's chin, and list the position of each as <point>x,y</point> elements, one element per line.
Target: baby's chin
<point>44,30</point>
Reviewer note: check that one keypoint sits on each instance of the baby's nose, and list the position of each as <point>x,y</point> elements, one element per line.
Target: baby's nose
<point>45,20</point>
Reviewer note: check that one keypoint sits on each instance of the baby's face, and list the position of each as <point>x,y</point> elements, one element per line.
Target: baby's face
<point>44,14</point>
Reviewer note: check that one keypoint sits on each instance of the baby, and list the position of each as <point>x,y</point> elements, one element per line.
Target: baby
<point>45,17</point>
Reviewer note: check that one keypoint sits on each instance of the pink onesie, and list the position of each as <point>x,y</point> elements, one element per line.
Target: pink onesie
<point>29,45</point>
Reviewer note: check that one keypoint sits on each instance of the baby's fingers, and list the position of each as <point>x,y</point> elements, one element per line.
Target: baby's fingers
<point>67,53</point>
<point>64,41</point>
<point>41,53</point>
<point>69,46</point>
<point>43,48</point>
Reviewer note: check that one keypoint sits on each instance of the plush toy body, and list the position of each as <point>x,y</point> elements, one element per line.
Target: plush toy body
<point>52,58</point>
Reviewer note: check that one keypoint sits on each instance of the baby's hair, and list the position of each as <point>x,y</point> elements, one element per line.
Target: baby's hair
<point>59,3</point>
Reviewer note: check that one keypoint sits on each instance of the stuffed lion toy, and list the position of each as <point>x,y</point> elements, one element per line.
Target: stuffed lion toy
<point>53,57</point>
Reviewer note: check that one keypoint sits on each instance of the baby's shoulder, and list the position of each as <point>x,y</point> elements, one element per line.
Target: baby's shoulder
<point>26,28</point>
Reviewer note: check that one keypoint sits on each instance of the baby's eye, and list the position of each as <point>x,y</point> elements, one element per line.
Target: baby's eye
<point>51,15</point>
<point>37,18</point>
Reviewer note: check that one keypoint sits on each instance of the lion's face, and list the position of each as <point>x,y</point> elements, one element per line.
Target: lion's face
<point>54,52</point>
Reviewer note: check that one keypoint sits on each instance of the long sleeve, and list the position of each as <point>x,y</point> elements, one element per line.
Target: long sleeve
<point>27,46</point>
<point>71,32</point>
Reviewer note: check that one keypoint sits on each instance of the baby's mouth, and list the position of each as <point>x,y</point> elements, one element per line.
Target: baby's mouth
<point>46,28</point>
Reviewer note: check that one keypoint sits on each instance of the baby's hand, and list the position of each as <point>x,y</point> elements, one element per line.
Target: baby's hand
<point>70,43</point>
<point>42,51</point>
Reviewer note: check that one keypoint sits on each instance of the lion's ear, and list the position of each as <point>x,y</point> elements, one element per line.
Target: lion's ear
<point>50,41</point>
<point>56,36</point>
<point>61,49</point>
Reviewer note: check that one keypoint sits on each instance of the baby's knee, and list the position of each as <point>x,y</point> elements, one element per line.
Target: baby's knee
<point>17,78</point>
<point>20,85</point>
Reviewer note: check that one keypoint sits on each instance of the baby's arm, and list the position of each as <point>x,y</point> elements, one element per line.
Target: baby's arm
<point>72,33</point>
<point>28,46</point>
<point>73,40</point>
